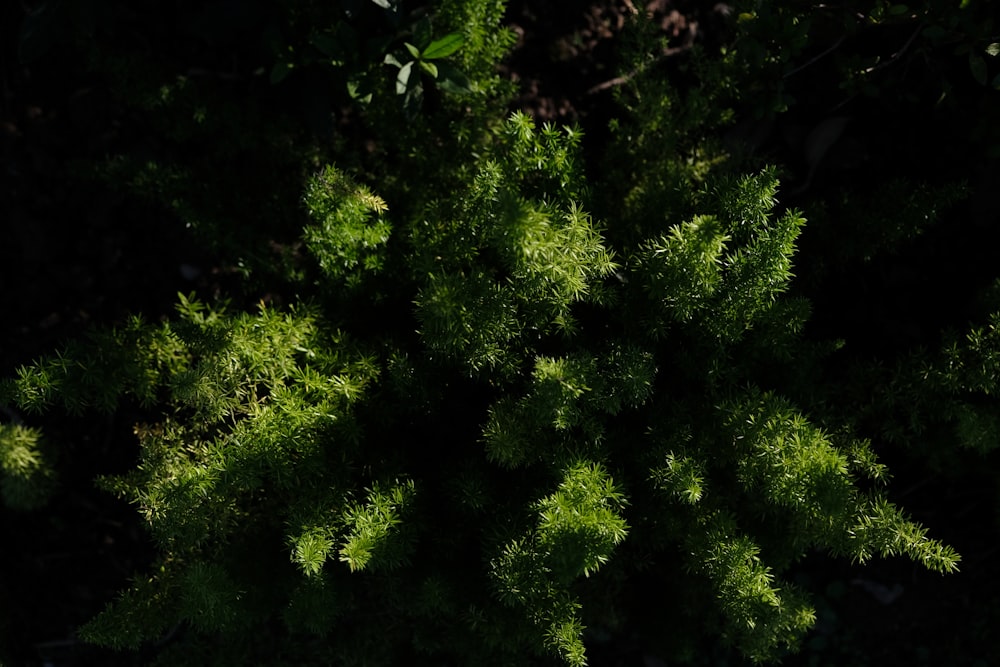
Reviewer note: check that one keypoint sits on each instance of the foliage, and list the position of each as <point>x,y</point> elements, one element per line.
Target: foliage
<point>25,474</point>
<point>505,392</point>
<point>277,423</point>
<point>342,238</point>
<point>869,45</point>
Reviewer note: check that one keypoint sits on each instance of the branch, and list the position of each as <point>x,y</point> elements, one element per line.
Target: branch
<point>894,57</point>
<point>625,78</point>
<point>815,58</point>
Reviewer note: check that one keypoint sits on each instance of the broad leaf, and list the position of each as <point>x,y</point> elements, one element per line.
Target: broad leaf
<point>978,68</point>
<point>280,71</point>
<point>360,90</point>
<point>326,44</point>
<point>423,33</point>
<point>414,99</point>
<point>430,68</point>
<point>403,78</point>
<point>443,47</point>
<point>451,80</point>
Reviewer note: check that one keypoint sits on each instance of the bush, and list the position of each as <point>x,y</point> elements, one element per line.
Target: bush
<point>485,420</point>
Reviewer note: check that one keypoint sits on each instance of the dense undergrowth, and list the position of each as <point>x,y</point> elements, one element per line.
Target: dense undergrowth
<point>448,384</point>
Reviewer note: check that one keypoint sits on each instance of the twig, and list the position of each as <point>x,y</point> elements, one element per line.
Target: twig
<point>840,104</point>
<point>169,636</point>
<point>915,486</point>
<point>667,53</point>
<point>625,78</point>
<point>894,57</point>
<point>204,72</point>
<point>815,58</point>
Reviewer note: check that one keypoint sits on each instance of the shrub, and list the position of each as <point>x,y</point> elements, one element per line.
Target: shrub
<point>486,418</point>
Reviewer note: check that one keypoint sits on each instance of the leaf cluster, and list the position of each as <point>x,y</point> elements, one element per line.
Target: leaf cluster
<point>565,404</point>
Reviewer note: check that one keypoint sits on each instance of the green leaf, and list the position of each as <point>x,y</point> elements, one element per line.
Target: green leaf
<point>326,44</point>
<point>443,47</point>
<point>978,68</point>
<point>360,90</point>
<point>430,68</point>
<point>935,33</point>
<point>423,32</point>
<point>451,80</point>
<point>311,550</point>
<point>414,99</point>
<point>280,71</point>
<point>993,49</point>
<point>896,10</point>
<point>392,60</point>
<point>414,51</point>
<point>403,78</point>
